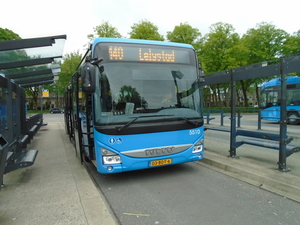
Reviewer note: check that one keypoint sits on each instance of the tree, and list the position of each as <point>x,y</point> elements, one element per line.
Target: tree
<point>218,48</point>
<point>34,92</point>
<point>58,89</point>
<point>11,56</point>
<point>68,68</point>
<point>219,51</point>
<point>264,43</point>
<point>104,30</point>
<point>184,33</point>
<point>145,30</point>
<point>6,35</point>
<point>291,45</point>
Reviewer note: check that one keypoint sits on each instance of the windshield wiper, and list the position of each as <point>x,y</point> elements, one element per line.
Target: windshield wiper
<point>189,121</point>
<point>120,129</point>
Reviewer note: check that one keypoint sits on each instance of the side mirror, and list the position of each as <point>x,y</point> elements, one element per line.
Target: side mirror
<point>88,74</point>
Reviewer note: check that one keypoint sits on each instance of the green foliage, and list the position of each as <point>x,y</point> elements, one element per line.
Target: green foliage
<point>184,33</point>
<point>219,48</point>
<point>6,35</point>
<point>145,30</point>
<point>12,56</point>
<point>223,49</point>
<point>220,51</point>
<point>104,30</point>
<point>68,68</point>
<point>228,110</point>
<point>34,92</point>
<point>292,44</point>
<point>264,42</point>
<point>37,111</point>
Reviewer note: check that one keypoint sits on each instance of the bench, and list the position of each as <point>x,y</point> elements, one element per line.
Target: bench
<point>27,158</point>
<point>273,144</point>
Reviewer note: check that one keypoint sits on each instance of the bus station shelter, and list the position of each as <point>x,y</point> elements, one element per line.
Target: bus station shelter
<point>23,63</point>
<point>287,64</point>
<point>32,62</point>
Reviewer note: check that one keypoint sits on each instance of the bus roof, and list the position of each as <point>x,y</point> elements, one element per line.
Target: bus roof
<point>277,82</point>
<point>140,41</point>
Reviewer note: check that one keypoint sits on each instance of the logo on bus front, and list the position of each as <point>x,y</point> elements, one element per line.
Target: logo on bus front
<point>159,151</point>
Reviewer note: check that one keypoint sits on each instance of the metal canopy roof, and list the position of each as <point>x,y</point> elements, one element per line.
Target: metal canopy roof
<point>32,62</point>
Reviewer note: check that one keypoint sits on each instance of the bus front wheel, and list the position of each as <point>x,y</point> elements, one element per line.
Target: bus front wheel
<point>293,118</point>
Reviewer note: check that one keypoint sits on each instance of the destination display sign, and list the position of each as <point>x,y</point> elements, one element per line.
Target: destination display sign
<point>139,53</point>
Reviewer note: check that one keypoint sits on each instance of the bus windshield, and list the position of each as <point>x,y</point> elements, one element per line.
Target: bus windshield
<point>270,97</point>
<point>161,90</point>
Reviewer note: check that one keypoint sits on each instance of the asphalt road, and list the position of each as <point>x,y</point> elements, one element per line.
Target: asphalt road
<point>190,194</point>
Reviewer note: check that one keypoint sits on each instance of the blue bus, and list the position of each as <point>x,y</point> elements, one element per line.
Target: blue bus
<point>271,96</point>
<point>136,104</point>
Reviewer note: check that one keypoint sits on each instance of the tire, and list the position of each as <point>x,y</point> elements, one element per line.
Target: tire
<point>85,158</point>
<point>292,118</point>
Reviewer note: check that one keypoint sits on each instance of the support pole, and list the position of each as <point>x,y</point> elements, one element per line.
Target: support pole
<point>239,119</point>
<point>283,121</point>
<point>259,120</point>
<point>232,150</point>
<point>222,117</point>
<point>207,117</point>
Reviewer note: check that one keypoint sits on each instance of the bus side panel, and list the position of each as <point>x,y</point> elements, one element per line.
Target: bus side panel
<point>271,114</point>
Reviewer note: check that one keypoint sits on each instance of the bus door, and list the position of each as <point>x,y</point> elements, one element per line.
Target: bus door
<point>75,116</point>
<point>87,127</point>
<point>82,121</point>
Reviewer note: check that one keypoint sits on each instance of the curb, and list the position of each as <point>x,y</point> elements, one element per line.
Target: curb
<point>282,183</point>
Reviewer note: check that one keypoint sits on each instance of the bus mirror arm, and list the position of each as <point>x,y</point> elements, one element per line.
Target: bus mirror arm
<point>96,61</point>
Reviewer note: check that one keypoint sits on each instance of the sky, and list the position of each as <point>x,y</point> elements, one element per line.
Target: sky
<point>76,19</point>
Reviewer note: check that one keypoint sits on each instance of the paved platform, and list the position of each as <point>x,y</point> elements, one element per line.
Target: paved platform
<point>57,189</point>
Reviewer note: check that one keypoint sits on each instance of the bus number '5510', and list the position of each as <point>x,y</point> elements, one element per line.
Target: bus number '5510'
<point>194,132</point>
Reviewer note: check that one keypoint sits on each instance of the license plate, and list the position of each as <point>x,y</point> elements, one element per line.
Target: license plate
<point>160,162</point>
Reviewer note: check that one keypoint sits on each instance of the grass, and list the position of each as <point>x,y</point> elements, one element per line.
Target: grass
<point>37,111</point>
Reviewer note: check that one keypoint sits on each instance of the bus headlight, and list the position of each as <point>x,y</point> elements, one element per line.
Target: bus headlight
<point>109,157</point>
<point>199,146</point>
